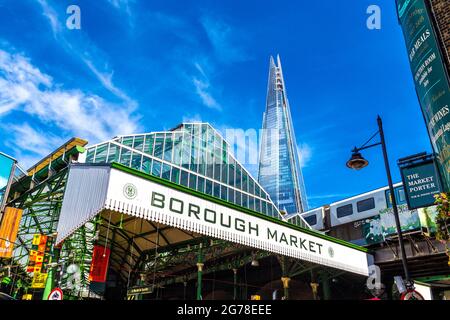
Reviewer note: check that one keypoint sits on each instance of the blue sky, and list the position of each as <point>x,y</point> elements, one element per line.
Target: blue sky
<point>140,66</point>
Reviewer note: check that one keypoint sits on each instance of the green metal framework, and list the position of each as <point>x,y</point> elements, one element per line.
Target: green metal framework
<point>40,195</point>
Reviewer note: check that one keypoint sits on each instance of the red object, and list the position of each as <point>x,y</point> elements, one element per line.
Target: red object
<point>56,294</point>
<point>374,298</point>
<point>99,264</point>
<point>411,295</point>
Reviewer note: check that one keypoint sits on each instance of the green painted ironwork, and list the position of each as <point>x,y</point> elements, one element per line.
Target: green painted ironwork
<point>40,196</point>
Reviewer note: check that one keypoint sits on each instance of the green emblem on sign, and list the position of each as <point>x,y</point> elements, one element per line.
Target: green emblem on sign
<point>130,191</point>
<point>421,183</point>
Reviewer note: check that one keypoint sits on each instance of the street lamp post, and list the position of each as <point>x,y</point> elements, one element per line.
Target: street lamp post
<point>357,162</point>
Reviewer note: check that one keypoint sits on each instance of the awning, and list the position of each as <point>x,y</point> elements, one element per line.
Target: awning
<point>113,189</point>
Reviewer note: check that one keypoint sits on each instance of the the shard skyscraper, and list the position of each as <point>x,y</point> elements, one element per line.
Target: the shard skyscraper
<point>279,166</point>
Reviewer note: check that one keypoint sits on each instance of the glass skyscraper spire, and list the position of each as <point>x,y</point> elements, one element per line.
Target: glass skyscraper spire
<point>279,166</point>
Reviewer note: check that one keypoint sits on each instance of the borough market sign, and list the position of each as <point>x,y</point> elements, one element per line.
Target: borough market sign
<point>121,189</point>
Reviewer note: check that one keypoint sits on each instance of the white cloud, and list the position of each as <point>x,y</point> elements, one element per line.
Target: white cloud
<point>121,4</point>
<point>105,77</point>
<point>223,38</point>
<point>30,139</point>
<point>124,6</point>
<point>25,88</point>
<point>106,81</point>
<point>51,16</point>
<point>304,154</point>
<point>203,88</point>
<point>31,144</point>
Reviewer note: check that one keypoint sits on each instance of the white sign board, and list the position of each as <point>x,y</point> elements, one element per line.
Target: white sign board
<point>141,197</point>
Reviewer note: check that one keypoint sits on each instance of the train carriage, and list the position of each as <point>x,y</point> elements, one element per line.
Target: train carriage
<point>365,219</point>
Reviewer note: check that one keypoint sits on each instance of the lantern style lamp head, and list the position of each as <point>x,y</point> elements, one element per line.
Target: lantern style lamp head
<point>357,161</point>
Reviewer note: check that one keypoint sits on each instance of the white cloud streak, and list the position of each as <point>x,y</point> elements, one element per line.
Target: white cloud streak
<point>203,88</point>
<point>51,16</point>
<point>223,39</point>
<point>304,154</point>
<point>106,81</point>
<point>105,77</point>
<point>23,87</point>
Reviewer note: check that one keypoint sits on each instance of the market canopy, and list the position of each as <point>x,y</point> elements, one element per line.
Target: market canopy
<point>171,214</point>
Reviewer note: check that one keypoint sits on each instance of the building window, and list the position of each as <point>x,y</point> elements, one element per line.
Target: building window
<point>251,203</point>
<point>238,199</point>
<point>258,205</point>
<point>257,190</point>
<point>193,181</point>
<point>168,146</point>
<point>312,220</point>
<point>217,174</point>
<point>244,181</point>
<point>344,211</point>
<point>100,155</point>
<point>223,193</point>
<point>127,141</point>
<point>177,149</point>
<point>251,186</point>
<point>138,143</point>
<point>270,211</point>
<point>113,154</point>
<point>208,187</point>
<point>231,196</point>
<point>224,173</point>
<point>201,184</point>
<point>148,145</point>
<point>156,168</point>
<point>366,204</point>
<point>125,157</point>
<point>186,153</point>
<point>136,161</point>
<point>216,190</point>
<point>184,178</point>
<point>90,155</point>
<point>175,176</point>
<point>210,163</point>
<point>245,200</point>
<point>194,154</point>
<point>159,146</point>
<point>165,172</point>
<point>263,207</point>
<point>399,197</point>
<point>146,164</point>
<point>202,159</point>
<point>238,177</point>
<point>231,172</point>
